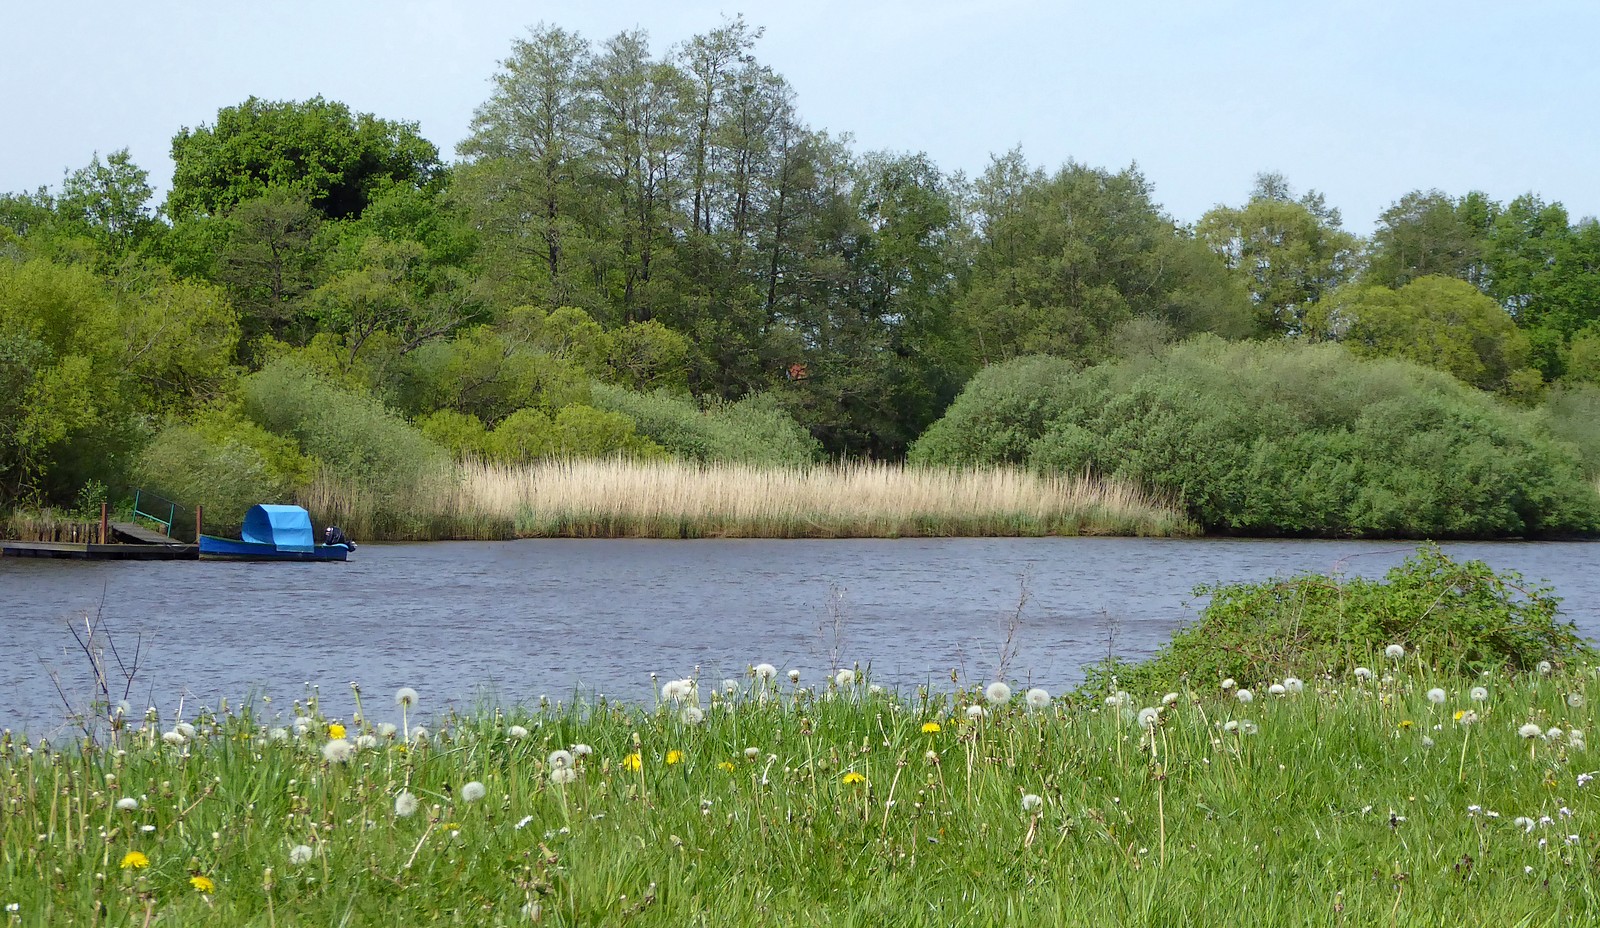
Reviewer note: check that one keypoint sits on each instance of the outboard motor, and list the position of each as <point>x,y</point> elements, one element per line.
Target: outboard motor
<point>334,535</point>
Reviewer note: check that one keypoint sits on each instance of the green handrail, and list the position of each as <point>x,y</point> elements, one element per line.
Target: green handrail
<point>172,510</point>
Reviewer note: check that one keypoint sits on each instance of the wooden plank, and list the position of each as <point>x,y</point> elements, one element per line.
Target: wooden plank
<point>138,534</point>
<point>57,549</point>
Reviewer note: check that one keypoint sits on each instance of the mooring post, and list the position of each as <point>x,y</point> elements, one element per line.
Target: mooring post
<point>197,510</point>
<point>105,512</point>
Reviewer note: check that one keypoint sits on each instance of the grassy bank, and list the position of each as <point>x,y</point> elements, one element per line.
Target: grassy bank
<point>673,499</point>
<point>1359,800</point>
<point>49,525</point>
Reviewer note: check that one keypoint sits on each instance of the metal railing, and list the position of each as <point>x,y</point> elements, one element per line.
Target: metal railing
<point>142,499</point>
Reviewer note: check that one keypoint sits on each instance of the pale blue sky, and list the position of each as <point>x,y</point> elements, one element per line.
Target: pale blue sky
<point>1362,100</point>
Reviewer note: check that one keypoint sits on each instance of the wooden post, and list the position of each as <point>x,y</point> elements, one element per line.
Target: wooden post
<point>105,512</point>
<point>197,510</point>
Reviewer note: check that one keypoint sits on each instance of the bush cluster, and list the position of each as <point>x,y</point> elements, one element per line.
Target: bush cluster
<point>1266,438</point>
<point>755,430</point>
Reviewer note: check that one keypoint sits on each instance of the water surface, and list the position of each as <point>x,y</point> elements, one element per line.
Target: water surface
<point>516,620</point>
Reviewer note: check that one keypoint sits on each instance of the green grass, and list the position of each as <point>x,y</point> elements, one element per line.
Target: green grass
<point>1336,812</point>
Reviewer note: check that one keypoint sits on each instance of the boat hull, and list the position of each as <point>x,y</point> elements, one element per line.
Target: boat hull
<point>229,549</point>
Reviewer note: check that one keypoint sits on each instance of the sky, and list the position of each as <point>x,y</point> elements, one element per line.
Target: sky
<point>1363,101</point>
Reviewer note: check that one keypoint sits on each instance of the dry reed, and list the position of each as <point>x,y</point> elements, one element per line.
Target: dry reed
<point>674,499</point>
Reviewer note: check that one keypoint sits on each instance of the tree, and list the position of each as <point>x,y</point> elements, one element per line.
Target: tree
<point>1290,253</point>
<point>111,200</point>
<point>337,159</point>
<point>1440,322</point>
<point>1429,234</point>
<point>269,259</point>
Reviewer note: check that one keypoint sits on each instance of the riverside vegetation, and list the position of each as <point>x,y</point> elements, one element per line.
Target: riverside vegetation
<point>1394,784</point>
<point>642,253</point>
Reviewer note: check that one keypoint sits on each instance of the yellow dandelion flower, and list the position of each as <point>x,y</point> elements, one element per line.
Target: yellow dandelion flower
<point>1459,714</point>
<point>727,765</point>
<point>1405,724</point>
<point>852,778</point>
<point>632,762</point>
<point>202,884</point>
<point>335,731</point>
<point>930,728</point>
<point>133,860</point>
<point>674,757</point>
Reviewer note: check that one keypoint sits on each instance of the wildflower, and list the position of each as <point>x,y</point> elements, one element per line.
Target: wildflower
<point>1523,822</point>
<point>419,735</point>
<point>1244,696</point>
<point>1277,689</point>
<point>278,734</point>
<point>581,750</point>
<point>1530,731</point>
<point>1031,802</point>
<point>1294,685</point>
<point>1229,684</point>
<point>335,731</point>
<point>1149,716</point>
<point>794,676</point>
<point>1573,839</point>
<point>930,728</point>
<point>202,884</point>
<point>1363,673</point>
<point>1405,724</point>
<point>563,775</point>
<point>852,778</point>
<point>1171,699</point>
<point>523,822</point>
<point>366,742</point>
<point>472,791</point>
<point>1230,726</point>
<point>1584,778</point>
<point>674,757</point>
<point>1479,694</point>
<point>726,765</point>
<point>752,753</point>
<point>1575,745</point>
<point>127,804</point>
<point>677,690</point>
<point>1544,667</point>
<point>845,678</point>
<point>338,751</point>
<point>975,712</point>
<point>133,860</point>
<point>931,757</point>
<point>173,737</point>
<point>997,693</point>
<point>692,715</point>
<point>1575,700</point>
<point>299,854</point>
<point>1427,742</point>
<point>1466,716</point>
<point>730,686</point>
<point>405,697</point>
<point>405,804</point>
<point>559,759</point>
<point>766,672</point>
<point>1436,696</point>
<point>517,731</point>
<point>1394,652</point>
<point>632,762</point>
<point>1037,698</point>
<point>1554,734</point>
<point>1248,727</point>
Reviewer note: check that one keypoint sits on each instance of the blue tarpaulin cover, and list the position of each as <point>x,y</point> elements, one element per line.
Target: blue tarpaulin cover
<point>287,527</point>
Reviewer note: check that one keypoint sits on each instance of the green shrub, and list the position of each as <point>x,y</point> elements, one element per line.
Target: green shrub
<point>1457,618</point>
<point>225,464</point>
<point>462,434</point>
<point>1280,438</point>
<point>577,431</point>
<point>1575,417</point>
<point>755,430</point>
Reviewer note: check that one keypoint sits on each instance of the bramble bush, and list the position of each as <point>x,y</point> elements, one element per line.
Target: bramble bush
<point>1455,618</point>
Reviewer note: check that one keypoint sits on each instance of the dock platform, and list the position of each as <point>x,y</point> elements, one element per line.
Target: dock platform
<point>95,552</point>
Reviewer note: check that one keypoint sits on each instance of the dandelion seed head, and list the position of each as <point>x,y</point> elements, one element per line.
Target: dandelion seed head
<point>419,735</point>
<point>563,775</point>
<point>1479,694</point>
<point>1230,725</point>
<point>1171,699</point>
<point>752,753</point>
<point>794,676</point>
<point>1031,801</point>
<point>1427,742</point>
<point>730,686</point>
<point>173,737</point>
<point>184,729</point>
<point>517,731</point>
<point>1530,731</point>
<point>1149,716</point>
<point>1554,734</point>
<point>582,750</point>
<point>1245,696</point>
<point>975,712</point>
<point>997,693</point>
<point>299,854</point>
<point>1575,700</point>
<point>1277,689</point>
<point>1248,727</point>
<point>366,742</point>
<point>692,715</point>
<point>472,792</point>
<point>1363,673</point>
<point>405,696</point>
<point>127,804</point>
<point>1229,683</point>
<point>278,734</point>
<point>1037,698</point>
<point>338,751</point>
<point>559,759</point>
<point>845,678</point>
<point>405,803</point>
<point>1436,696</point>
<point>766,671</point>
<point>1394,652</point>
<point>1294,685</point>
<point>1544,667</point>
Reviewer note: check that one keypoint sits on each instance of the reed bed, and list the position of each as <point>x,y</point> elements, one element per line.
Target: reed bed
<point>50,525</point>
<point>1348,799</point>
<point>674,499</point>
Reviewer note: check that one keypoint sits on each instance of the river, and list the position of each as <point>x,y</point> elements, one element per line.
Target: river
<point>513,621</point>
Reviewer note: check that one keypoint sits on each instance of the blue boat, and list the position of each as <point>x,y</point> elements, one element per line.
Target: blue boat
<point>274,533</point>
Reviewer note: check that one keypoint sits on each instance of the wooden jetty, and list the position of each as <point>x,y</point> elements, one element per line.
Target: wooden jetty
<point>118,541</point>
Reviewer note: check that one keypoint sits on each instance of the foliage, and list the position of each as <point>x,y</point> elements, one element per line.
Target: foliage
<point>1459,619</point>
<point>1266,438</point>
<point>224,463</point>
<point>1575,417</point>
<point>755,430</point>
<point>462,434</point>
<point>576,431</point>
